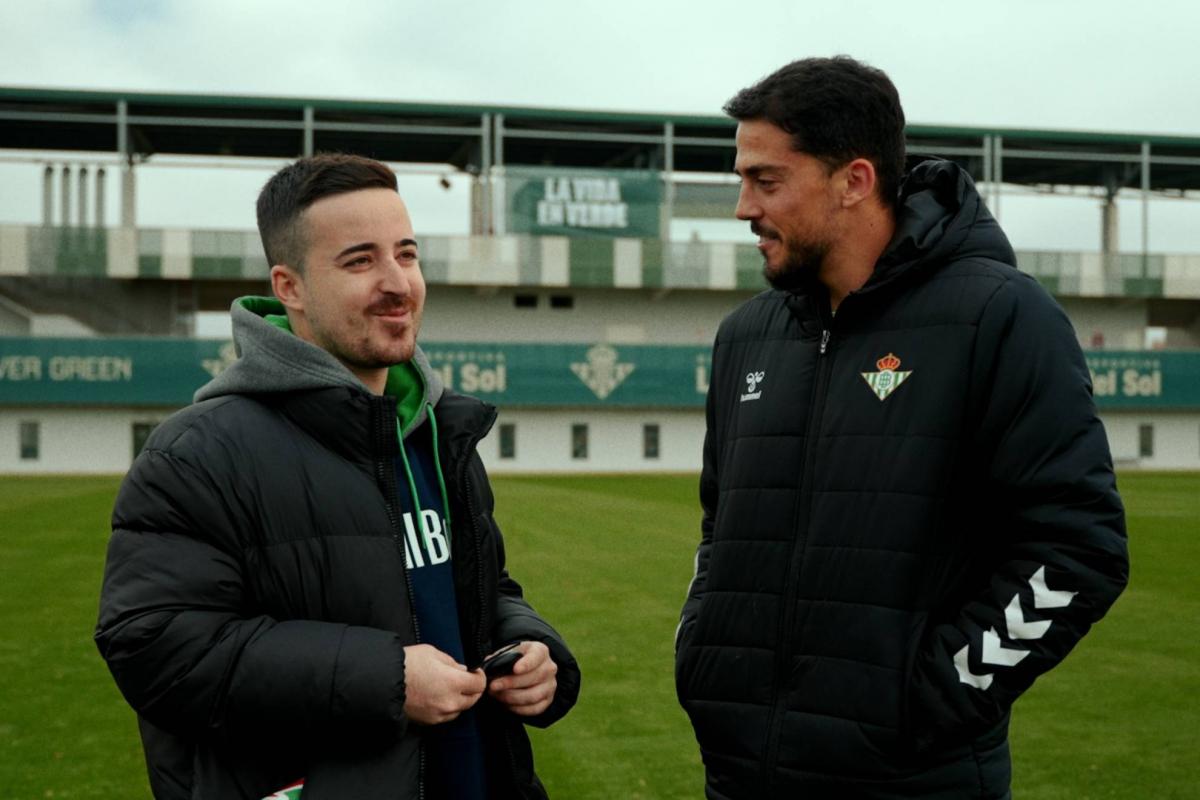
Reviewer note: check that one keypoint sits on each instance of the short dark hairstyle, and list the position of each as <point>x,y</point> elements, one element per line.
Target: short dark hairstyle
<point>836,109</point>
<point>300,184</point>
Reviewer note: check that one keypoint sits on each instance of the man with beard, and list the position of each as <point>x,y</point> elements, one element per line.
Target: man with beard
<point>304,574</point>
<point>909,508</point>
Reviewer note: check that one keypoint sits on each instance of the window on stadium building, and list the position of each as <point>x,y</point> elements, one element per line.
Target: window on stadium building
<point>1146,441</point>
<point>141,432</point>
<point>508,440</point>
<point>30,435</point>
<point>650,433</point>
<point>579,441</point>
<point>562,301</point>
<point>525,300</point>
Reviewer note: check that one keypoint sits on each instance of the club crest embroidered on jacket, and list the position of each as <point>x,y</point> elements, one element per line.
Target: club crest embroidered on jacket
<point>885,381</point>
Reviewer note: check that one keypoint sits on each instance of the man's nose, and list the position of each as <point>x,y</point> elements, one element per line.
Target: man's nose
<point>747,208</point>
<point>395,278</point>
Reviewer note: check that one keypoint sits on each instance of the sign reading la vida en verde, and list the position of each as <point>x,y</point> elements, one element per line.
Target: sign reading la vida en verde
<point>583,202</point>
<point>166,372</point>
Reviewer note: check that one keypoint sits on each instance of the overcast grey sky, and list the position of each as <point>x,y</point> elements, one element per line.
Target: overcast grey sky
<point>1094,65</point>
<point>1100,65</point>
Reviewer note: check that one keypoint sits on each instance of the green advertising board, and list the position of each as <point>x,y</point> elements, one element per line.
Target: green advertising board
<point>549,201</point>
<point>107,372</point>
<point>1150,380</point>
<point>166,372</point>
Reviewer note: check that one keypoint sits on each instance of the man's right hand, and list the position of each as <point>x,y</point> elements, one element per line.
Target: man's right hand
<point>438,688</point>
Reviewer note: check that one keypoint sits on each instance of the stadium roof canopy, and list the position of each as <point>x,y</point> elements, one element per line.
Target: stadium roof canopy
<point>476,138</point>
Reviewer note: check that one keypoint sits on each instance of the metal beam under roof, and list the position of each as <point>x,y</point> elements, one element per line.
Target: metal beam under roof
<point>287,127</point>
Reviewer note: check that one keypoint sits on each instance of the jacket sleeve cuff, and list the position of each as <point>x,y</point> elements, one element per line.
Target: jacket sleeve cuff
<point>368,681</point>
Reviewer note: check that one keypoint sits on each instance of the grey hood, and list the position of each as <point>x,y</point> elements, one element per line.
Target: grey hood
<point>271,359</point>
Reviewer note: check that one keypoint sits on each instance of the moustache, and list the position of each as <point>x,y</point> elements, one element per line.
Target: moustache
<point>759,230</point>
<point>388,304</point>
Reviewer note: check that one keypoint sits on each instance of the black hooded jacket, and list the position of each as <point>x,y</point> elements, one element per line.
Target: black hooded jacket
<point>909,514</point>
<point>255,609</point>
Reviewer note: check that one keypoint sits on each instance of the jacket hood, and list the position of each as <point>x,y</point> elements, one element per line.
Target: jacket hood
<point>941,215</point>
<point>271,359</point>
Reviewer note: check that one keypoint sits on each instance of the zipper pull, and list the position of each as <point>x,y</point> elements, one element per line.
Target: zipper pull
<point>824,341</point>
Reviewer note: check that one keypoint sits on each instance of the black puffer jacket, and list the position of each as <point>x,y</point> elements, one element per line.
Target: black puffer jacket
<point>254,609</point>
<point>909,514</point>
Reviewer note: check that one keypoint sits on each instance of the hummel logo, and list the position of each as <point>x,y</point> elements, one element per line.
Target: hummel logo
<point>753,379</point>
<point>994,653</point>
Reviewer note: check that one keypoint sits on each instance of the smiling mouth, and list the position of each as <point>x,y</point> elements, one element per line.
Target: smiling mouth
<point>390,310</point>
<point>764,237</point>
<point>394,317</point>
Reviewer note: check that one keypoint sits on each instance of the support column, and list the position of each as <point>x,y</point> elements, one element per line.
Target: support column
<point>481,186</point>
<point>64,200</point>
<point>308,131</point>
<point>1145,208</point>
<point>499,225</point>
<point>997,173</point>
<point>48,195</point>
<point>128,199</point>
<point>100,199</point>
<point>1112,270</point>
<point>668,207</point>
<point>83,197</point>
<point>987,170</point>
<point>128,189</point>
<point>1109,228</point>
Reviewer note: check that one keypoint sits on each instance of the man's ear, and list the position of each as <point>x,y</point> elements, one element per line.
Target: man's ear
<point>861,182</point>
<point>288,286</point>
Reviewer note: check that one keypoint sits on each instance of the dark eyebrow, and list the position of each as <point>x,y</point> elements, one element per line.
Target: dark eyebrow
<point>355,248</point>
<point>362,247</point>
<point>755,170</point>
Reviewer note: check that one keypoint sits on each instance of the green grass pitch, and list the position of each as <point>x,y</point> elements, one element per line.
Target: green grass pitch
<point>607,559</point>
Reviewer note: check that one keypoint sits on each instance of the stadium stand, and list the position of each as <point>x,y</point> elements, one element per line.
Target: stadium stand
<point>567,304</point>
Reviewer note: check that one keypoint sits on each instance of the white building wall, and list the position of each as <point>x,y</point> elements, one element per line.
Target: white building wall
<point>616,316</point>
<point>101,440</point>
<point>1120,323</point>
<point>1175,439</point>
<point>615,441</point>
<point>1181,276</point>
<point>73,440</point>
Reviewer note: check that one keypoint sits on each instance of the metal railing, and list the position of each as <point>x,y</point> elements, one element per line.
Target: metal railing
<point>525,260</point>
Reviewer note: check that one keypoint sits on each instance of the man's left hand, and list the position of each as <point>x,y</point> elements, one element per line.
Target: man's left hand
<point>530,688</point>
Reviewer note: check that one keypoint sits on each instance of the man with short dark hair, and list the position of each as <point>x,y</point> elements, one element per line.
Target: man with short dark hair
<point>304,574</point>
<point>909,509</point>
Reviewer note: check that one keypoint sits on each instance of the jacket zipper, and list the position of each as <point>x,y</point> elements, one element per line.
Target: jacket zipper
<point>787,615</point>
<point>386,474</point>
<point>476,541</point>
<point>465,483</point>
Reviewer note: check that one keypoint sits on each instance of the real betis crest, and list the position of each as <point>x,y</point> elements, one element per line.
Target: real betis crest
<point>885,381</point>
<point>287,793</point>
<point>602,372</point>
